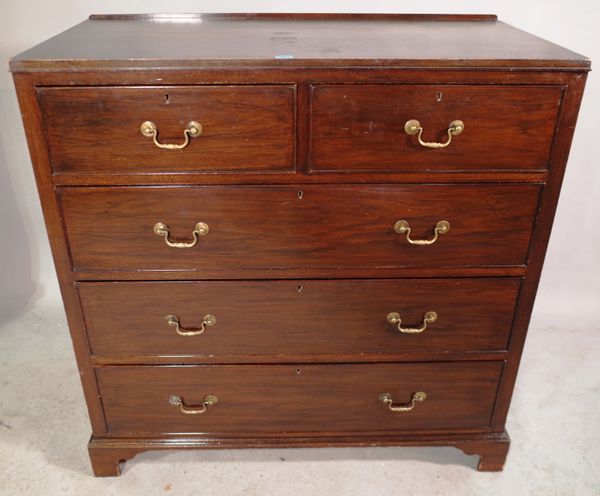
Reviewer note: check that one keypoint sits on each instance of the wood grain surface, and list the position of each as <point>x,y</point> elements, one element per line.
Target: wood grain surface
<point>361,127</point>
<point>97,130</point>
<point>298,398</point>
<point>292,318</point>
<point>111,229</point>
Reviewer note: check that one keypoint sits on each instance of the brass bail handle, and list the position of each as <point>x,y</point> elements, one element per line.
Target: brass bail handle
<point>413,127</point>
<point>403,227</point>
<point>418,397</point>
<point>209,400</point>
<point>162,230</point>
<point>193,129</point>
<point>207,321</point>
<point>428,318</point>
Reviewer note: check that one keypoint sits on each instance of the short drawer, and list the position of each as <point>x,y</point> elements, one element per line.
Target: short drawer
<point>270,227</point>
<point>97,130</point>
<point>298,398</point>
<point>362,127</point>
<point>304,318</point>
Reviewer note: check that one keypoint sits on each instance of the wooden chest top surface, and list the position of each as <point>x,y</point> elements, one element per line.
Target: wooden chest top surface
<point>223,40</point>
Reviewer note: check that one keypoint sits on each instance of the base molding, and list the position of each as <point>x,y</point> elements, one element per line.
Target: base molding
<point>107,454</point>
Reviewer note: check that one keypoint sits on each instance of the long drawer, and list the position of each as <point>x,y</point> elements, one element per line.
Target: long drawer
<point>237,129</point>
<point>270,227</point>
<point>298,398</point>
<point>294,318</point>
<point>362,127</point>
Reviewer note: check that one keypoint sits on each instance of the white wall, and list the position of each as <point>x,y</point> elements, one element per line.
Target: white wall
<point>570,289</point>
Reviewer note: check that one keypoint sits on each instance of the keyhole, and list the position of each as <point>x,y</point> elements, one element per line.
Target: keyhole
<point>300,288</point>
<point>167,98</point>
<point>300,195</point>
<point>439,95</point>
<point>298,371</point>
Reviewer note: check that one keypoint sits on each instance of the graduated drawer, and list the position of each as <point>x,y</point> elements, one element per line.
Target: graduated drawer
<point>97,130</point>
<point>270,227</point>
<point>297,398</point>
<point>297,318</point>
<point>362,127</point>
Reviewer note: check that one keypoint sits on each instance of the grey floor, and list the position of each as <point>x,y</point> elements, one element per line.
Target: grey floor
<point>554,423</point>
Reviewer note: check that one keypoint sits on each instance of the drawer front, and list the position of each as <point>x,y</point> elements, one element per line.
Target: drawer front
<point>293,318</point>
<point>298,398</point>
<point>270,227</point>
<point>97,130</point>
<point>361,127</point>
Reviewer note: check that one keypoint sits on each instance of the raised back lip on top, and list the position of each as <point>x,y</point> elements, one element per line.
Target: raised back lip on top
<point>296,16</point>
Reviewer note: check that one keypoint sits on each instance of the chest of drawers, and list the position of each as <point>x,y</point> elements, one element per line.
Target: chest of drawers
<point>298,230</point>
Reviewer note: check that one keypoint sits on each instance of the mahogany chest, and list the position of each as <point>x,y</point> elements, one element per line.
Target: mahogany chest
<point>298,230</point>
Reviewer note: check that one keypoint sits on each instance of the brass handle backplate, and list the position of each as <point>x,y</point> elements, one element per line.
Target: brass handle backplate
<point>413,127</point>
<point>403,227</point>
<point>386,398</point>
<point>428,318</point>
<point>209,400</point>
<point>200,229</point>
<point>193,129</point>
<point>207,321</point>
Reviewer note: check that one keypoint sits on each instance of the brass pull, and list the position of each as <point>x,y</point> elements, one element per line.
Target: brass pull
<point>200,229</point>
<point>413,127</point>
<point>386,398</point>
<point>207,321</point>
<point>193,129</point>
<point>402,227</point>
<point>209,400</point>
<point>428,318</point>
